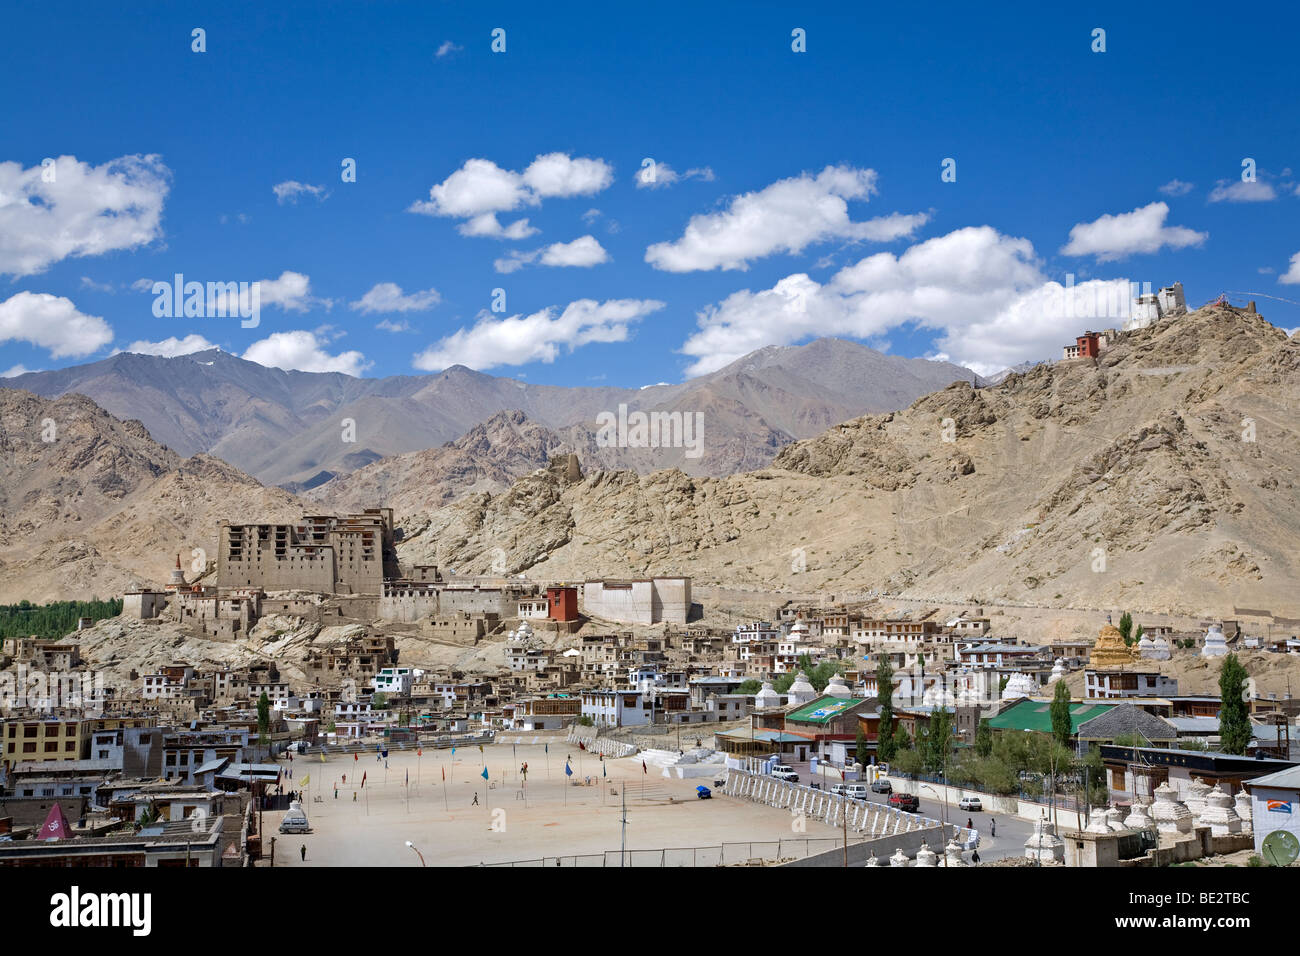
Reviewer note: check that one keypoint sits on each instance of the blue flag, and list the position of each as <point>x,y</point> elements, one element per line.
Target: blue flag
<point>568,771</point>
<point>484,774</point>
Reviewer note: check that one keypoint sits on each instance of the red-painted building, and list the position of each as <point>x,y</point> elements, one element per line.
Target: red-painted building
<point>563,602</point>
<point>1089,344</point>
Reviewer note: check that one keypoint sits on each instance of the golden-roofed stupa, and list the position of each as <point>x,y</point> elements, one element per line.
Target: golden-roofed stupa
<point>1110,649</point>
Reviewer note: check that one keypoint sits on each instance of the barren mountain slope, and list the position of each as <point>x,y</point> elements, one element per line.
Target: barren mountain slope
<point>103,504</point>
<point>1124,481</point>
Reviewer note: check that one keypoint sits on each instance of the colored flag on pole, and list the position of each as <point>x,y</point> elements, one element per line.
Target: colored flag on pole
<point>480,748</point>
<point>306,780</point>
<point>444,774</point>
<point>568,771</point>
<point>548,747</point>
<point>484,774</point>
<point>419,751</point>
<point>354,756</point>
<point>604,772</point>
<point>643,767</point>
<point>408,776</point>
<point>453,751</point>
<point>322,756</point>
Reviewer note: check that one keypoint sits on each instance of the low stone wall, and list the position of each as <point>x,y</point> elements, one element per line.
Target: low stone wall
<point>881,847</point>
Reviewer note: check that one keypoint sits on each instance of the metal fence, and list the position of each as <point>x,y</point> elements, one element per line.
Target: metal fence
<point>725,854</point>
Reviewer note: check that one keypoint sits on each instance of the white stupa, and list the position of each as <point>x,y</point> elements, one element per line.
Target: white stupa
<point>1019,685</point>
<point>766,697</point>
<point>1215,644</point>
<point>838,688</point>
<point>1159,649</point>
<point>1137,818</point>
<point>1115,818</point>
<point>522,633</point>
<point>1145,645</point>
<point>1220,815</point>
<point>1242,801</point>
<point>1170,815</point>
<point>1043,844</point>
<point>1195,797</point>
<point>1058,670</point>
<point>925,856</point>
<point>799,631</point>
<point>801,691</point>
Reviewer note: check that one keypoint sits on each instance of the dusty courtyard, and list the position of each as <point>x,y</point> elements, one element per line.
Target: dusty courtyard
<point>516,821</point>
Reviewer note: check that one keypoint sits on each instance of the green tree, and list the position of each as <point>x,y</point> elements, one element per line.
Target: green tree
<point>263,718</point>
<point>885,694</point>
<point>1126,627</point>
<point>862,745</point>
<point>1061,725</point>
<point>935,743</point>
<point>983,738</point>
<point>750,686</point>
<point>379,700</point>
<point>1234,715</point>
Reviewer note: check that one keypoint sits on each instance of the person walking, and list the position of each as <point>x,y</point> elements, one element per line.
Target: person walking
<point>303,851</point>
<point>975,857</point>
<point>970,824</point>
<point>475,803</point>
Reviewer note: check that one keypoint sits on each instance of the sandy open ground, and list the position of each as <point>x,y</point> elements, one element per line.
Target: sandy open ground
<point>369,826</point>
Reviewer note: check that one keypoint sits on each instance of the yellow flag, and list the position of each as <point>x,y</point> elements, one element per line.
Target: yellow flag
<point>322,756</point>
<point>306,780</point>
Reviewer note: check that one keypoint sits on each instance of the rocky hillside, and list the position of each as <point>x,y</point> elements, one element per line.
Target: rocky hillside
<point>489,457</point>
<point>101,504</point>
<point>1162,476</point>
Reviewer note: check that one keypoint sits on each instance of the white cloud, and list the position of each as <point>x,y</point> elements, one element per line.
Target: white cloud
<point>304,351</point>
<point>1141,231</point>
<point>1292,274</point>
<point>88,283</point>
<point>982,291</point>
<point>52,322</point>
<point>590,216</point>
<point>388,325</point>
<point>582,252</point>
<point>1176,187</point>
<point>291,292</point>
<point>519,339</point>
<point>290,191</point>
<point>447,48</point>
<point>15,370</point>
<point>171,347</point>
<point>387,297</point>
<point>783,217</point>
<point>87,210</point>
<point>480,190</point>
<point>1237,191</point>
<point>661,175</point>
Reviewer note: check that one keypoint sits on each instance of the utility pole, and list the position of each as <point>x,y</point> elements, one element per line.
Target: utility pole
<point>622,851</point>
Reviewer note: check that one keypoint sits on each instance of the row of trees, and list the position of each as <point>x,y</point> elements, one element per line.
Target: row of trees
<point>51,621</point>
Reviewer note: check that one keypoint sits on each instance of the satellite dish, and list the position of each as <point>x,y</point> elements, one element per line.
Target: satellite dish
<point>1280,848</point>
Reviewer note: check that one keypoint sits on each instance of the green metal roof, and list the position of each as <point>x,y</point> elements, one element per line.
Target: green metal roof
<point>824,709</point>
<point>1036,715</point>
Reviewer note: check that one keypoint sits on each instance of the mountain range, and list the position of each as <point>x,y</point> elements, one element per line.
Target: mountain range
<point>1161,476</point>
<point>300,429</point>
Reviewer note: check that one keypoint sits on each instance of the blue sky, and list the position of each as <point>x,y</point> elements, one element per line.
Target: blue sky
<point>810,181</point>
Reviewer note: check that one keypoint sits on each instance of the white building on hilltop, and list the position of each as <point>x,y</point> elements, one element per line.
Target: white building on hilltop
<point>1150,307</point>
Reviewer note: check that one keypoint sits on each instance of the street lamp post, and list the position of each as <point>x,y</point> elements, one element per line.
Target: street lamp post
<point>412,846</point>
